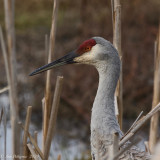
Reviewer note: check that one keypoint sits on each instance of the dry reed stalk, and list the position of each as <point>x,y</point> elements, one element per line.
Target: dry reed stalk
<point>5,56</point>
<point>4,89</point>
<point>53,117</point>
<point>156,96</point>
<point>134,123</point>
<point>32,141</point>
<point>116,20</point>
<point>36,138</point>
<point>5,131</point>
<point>147,147</point>
<point>47,107</point>
<point>156,152</point>
<point>113,149</point>
<point>47,99</point>
<point>119,153</point>
<point>26,128</point>
<point>47,49</point>
<point>4,52</point>
<point>14,116</point>
<point>10,32</point>
<point>139,124</point>
<point>43,104</point>
<point>1,115</point>
<point>33,153</point>
<point>59,157</point>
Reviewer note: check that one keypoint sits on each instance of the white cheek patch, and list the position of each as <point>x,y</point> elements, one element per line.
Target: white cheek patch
<point>86,57</point>
<point>90,56</point>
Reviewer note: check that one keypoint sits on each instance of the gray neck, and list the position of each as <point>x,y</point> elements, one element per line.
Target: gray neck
<point>108,77</point>
<point>103,108</point>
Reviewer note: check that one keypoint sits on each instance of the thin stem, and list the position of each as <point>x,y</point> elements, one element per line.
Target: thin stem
<point>156,96</point>
<point>134,123</point>
<point>116,20</point>
<point>11,59</point>
<point>26,128</point>
<point>59,157</point>
<point>33,141</point>
<point>47,107</point>
<point>53,117</point>
<point>139,124</point>
<point>5,131</point>
<point>4,90</point>
<point>33,153</point>
<point>125,149</point>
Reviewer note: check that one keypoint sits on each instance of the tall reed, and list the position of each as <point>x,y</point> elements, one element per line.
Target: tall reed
<point>116,20</point>
<point>156,96</point>
<point>47,104</point>
<point>12,79</point>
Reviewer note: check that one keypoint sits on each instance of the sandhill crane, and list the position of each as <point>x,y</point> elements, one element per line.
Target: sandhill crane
<point>100,53</point>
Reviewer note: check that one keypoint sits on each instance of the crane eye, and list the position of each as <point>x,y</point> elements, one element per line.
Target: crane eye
<point>88,48</point>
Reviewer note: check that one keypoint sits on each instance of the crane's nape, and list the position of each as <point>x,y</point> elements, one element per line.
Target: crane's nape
<point>85,47</point>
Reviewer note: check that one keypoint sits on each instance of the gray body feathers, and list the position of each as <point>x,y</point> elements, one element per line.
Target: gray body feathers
<point>103,121</point>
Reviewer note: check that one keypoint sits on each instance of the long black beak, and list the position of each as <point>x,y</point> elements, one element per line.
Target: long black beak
<point>67,59</point>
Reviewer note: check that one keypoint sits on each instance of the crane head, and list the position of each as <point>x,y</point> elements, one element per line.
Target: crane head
<point>89,52</point>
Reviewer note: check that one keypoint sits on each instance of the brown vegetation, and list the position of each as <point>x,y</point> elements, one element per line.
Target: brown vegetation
<point>77,21</point>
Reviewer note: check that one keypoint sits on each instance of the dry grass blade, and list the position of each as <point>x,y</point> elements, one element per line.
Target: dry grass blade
<point>116,20</point>
<point>59,157</point>
<point>26,128</point>
<point>4,52</point>
<point>156,152</point>
<point>11,73</point>
<point>1,115</point>
<point>112,7</point>
<point>53,116</point>
<point>33,153</point>
<point>5,131</point>
<point>139,124</point>
<point>48,78</point>
<point>14,126</point>
<point>10,31</point>
<point>147,147</point>
<point>36,138</point>
<point>47,49</point>
<point>47,100</point>
<point>4,89</point>
<point>33,142</point>
<point>156,96</point>
<point>116,156</point>
<point>134,123</point>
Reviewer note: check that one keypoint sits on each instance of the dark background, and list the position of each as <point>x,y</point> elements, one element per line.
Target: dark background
<point>76,22</point>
